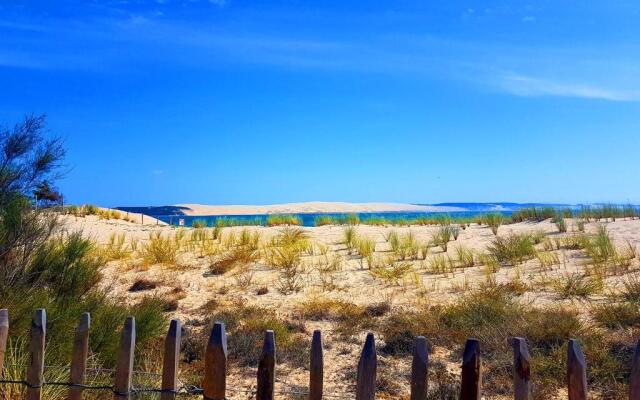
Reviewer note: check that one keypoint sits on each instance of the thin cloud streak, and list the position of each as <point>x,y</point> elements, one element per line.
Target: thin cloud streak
<point>418,58</point>
<point>533,87</point>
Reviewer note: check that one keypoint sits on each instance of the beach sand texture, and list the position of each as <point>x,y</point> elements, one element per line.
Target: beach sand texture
<point>352,283</point>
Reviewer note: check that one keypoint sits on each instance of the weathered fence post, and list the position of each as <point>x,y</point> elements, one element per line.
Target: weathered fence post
<point>367,366</point>
<point>215,364</point>
<point>35,369</point>
<point>420,369</point>
<point>4,334</point>
<point>316,366</point>
<point>124,366</point>
<point>79,357</point>
<point>267,368</point>
<point>521,369</point>
<point>576,372</point>
<point>471,385</point>
<point>170,361</point>
<point>634,379</point>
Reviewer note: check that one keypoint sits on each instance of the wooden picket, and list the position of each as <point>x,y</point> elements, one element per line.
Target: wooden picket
<point>420,369</point>
<point>316,367</point>
<point>124,366</point>
<point>215,375</point>
<point>79,357</point>
<point>170,361</point>
<point>4,335</point>
<point>35,369</point>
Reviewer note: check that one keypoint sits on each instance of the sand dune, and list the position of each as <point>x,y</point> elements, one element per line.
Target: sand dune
<point>308,207</point>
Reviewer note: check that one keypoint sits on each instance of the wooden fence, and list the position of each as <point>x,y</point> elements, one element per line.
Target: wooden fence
<point>214,386</point>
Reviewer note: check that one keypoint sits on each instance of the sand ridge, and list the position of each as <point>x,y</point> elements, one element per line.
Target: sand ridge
<point>309,207</point>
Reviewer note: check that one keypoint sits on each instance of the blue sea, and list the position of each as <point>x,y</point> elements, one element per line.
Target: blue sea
<point>175,216</point>
<point>308,219</point>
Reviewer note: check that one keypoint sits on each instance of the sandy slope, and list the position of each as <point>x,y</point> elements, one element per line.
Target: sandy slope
<point>352,284</point>
<point>308,207</point>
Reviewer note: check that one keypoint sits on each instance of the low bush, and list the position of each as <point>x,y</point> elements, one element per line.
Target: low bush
<point>350,318</point>
<point>245,326</point>
<point>284,219</point>
<point>493,316</point>
<point>576,285</point>
<point>494,220</point>
<point>617,315</point>
<point>513,249</point>
<point>160,249</point>
<point>392,274</point>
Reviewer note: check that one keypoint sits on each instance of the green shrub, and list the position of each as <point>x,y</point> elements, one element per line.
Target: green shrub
<point>513,249</point>
<point>493,316</point>
<point>116,248</point>
<point>600,248</point>
<point>246,325</point>
<point>199,223</point>
<point>366,247</point>
<point>494,220</point>
<point>160,249</point>
<point>394,273</point>
<point>350,237</point>
<point>615,316</point>
<point>630,289</point>
<point>322,220</point>
<point>536,214</point>
<point>577,285</point>
<point>465,257</point>
<point>560,223</point>
<point>284,219</point>
<point>442,237</point>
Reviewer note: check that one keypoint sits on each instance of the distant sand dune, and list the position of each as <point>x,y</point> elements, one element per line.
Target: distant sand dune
<point>309,207</point>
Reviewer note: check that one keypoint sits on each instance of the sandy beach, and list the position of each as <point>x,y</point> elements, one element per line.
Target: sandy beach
<point>190,282</point>
<point>307,207</point>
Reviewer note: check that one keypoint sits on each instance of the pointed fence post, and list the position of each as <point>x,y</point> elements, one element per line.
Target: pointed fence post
<point>170,361</point>
<point>521,369</point>
<point>420,369</point>
<point>316,366</point>
<point>471,385</point>
<point>267,368</point>
<point>124,366</point>
<point>35,369</point>
<point>4,334</point>
<point>79,357</point>
<point>634,379</point>
<point>215,364</point>
<point>367,366</point>
<point>576,372</point>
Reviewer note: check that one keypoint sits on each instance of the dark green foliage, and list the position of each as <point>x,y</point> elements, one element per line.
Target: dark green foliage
<point>61,273</point>
<point>246,325</point>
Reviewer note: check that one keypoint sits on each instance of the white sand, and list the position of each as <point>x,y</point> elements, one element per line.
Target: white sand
<point>308,207</point>
<point>352,284</point>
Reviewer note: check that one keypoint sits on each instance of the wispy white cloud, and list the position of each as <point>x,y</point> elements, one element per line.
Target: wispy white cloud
<point>151,40</point>
<point>529,86</point>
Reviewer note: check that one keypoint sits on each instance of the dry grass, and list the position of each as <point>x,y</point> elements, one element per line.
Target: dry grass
<point>161,249</point>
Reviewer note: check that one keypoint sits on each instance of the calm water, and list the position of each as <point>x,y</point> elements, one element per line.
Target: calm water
<point>309,219</point>
<point>173,214</point>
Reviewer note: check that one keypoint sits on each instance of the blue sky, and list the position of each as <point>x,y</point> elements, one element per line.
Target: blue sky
<point>240,102</point>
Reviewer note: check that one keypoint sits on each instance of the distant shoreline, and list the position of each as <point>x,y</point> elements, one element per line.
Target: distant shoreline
<point>203,210</point>
<point>308,208</point>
